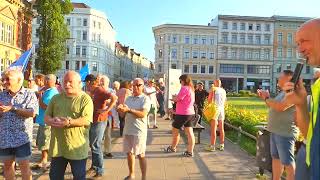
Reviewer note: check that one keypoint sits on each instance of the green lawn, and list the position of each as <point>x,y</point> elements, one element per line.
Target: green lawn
<point>249,103</point>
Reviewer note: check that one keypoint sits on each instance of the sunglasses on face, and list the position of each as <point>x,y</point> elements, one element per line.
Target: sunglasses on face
<point>137,85</point>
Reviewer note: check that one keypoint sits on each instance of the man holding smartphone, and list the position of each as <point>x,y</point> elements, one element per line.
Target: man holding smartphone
<point>308,41</point>
<point>281,124</point>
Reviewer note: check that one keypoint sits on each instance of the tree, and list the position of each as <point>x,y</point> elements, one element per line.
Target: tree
<point>53,33</point>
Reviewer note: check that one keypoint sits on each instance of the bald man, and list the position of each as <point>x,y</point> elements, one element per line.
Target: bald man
<point>308,41</point>
<point>69,114</point>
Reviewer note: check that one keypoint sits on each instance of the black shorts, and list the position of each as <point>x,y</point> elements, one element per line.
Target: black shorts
<point>182,120</point>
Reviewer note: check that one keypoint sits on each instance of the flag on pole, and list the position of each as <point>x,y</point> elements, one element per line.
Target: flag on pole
<point>22,62</point>
<point>84,71</point>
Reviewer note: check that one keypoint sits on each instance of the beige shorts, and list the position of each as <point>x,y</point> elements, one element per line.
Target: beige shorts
<point>134,144</point>
<point>219,115</point>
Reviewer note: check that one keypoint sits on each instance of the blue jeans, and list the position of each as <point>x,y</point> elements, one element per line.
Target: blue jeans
<point>59,164</point>
<point>95,136</point>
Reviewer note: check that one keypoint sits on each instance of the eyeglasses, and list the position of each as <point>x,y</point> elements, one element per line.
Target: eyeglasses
<point>137,85</point>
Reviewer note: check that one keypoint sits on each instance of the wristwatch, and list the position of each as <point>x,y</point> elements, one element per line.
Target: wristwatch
<point>69,121</point>
<point>13,109</point>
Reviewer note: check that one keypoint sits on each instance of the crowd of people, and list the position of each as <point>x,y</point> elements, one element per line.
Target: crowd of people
<point>74,119</point>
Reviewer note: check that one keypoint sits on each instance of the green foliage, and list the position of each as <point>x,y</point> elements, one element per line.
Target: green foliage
<point>245,142</point>
<point>242,93</point>
<point>53,33</point>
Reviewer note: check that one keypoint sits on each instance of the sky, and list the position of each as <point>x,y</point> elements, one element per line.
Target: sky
<point>133,19</point>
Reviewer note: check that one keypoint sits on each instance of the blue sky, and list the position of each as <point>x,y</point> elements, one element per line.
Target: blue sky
<point>133,19</point>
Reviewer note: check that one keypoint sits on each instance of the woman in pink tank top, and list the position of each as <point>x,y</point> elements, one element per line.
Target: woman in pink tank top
<point>185,114</point>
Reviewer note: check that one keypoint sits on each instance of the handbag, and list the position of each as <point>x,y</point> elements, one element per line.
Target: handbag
<point>209,111</point>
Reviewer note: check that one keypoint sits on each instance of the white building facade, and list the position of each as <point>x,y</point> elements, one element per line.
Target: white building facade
<point>92,39</point>
<point>191,48</point>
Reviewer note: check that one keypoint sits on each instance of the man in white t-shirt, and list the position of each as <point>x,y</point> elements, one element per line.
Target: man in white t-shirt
<point>151,91</point>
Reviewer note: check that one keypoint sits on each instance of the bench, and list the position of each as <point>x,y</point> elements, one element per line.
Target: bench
<point>197,129</point>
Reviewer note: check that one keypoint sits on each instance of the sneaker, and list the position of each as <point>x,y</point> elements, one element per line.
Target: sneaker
<point>170,149</point>
<point>221,147</point>
<point>187,154</point>
<point>210,148</point>
<point>90,171</point>
<point>108,155</point>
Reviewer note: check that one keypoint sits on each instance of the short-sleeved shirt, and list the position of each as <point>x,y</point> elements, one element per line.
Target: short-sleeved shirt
<point>73,142</point>
<point>16,130</point>
<point>46,98</point>
<point>185,101</point>
<point>200,97</point>
<point>134,125</point>
<point>152,96</point>
<point>282,123</point>
<point>100,95</point>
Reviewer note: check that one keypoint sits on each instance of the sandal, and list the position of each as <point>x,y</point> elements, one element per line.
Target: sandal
<point>187,154</point>
<point>170,149</point>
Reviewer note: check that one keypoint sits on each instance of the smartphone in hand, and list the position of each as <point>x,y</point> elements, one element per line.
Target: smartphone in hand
<point>296,74</point>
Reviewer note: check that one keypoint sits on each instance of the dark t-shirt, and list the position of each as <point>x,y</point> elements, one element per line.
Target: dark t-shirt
<point>100,95</point>
<point>200,97</point>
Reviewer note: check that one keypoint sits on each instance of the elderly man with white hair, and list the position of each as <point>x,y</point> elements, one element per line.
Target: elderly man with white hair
<point>18,107</point>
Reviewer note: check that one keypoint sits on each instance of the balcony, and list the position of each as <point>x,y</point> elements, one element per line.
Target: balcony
<point>245,43</point>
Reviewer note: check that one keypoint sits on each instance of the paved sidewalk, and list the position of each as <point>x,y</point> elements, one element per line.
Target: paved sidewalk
<point>233,163</point>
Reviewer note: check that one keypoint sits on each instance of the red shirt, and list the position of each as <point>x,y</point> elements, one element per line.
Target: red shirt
<point>100,95</point>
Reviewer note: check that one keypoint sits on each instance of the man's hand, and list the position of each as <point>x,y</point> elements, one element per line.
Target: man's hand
<point>59,122</point>
<point>4,108</point>
<point>123,108</point>
<point>296,95</point>
<point>263,94</point>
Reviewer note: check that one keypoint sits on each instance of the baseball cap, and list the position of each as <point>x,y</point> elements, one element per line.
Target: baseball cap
<point>90,77</point>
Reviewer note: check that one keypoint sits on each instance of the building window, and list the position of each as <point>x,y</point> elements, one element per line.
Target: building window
<point>280,38</point>
<point>242,39</point>
<point>2,27</point>
<point>37,32</point>
<point>289,66</point>
<point>67,49</point>
<point>194,68</point>
<point>267,27</point>
<point>159,68</point>
<point>94,66</point>
<point>67,65</point>
<point>258,39</point>
<point>279,52</point>
<point>231,68</point>
<point>174,53</point>
<point>85,22</point>
<point>195,54</point>
<point>203,69</point>
<point>234,38</point>
<point>79,21</point>
<point>78,50</point>
<point>249,53</point>
<point>225,38</point>
<point>289,38</point>
<point>99,25</point>
<point>187,40</point>
<point>9,34</point>
<point>234,53</point>
<point>39,20</point>
<point>203,55</point>
<point>160,53</point>
<point>94,37</point>
<point>94,24</point>
<point>243,26</point>
<point>204,40</point>
<point>224,52</point>
<point>77,65</point>
<point>267,39</point>
<point>258,27</point>
<point>186,54</point>
<point>98,38</point>
<point>289,53</point>
<point>225,25</point>
<point>78,35</point>
<point>234,26</point>
<point>211,55</point>
<point>68,21</point>
<point>173,66</point>
<point>212,41</point>
<point>250,27</point>
<point>174,39</point>
<point>266,54</point>
<point>186,68</point>
<point>257,54</point>
<point>83,63</point>
<point>210,69</point>
<point>84,35</point>
<point>84,51</point>
<point>242,53</point>
<point>307,69</point>
<point>258,69</point>
<point>250,39</point>
<point>279,69</point>
<point>95,52</point>
<point>195,40</point>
